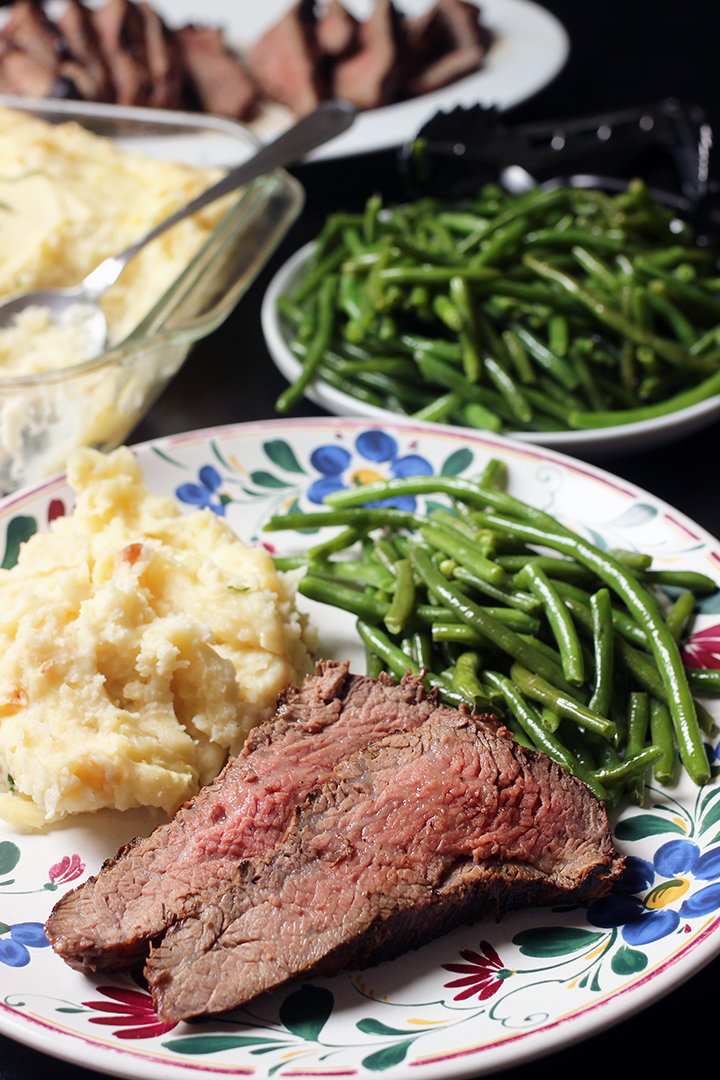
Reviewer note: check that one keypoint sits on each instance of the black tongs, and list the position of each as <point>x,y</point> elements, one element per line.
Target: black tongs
<point>455,152</point>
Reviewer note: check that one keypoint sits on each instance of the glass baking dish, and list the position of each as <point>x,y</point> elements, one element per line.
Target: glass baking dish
<point>98,402</point>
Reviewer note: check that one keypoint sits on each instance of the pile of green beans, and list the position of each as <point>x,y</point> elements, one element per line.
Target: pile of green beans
<point>554,310</point>
<point>578,651</point>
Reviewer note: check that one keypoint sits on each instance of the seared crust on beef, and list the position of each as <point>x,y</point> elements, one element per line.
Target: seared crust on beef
<point>109,922</point>
<point>413,835</point>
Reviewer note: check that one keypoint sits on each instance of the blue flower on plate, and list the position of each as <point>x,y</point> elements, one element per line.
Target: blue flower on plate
<point>16,940</point>
<point>375,446</point>
<point>669,878</point>
<point>204,494</point>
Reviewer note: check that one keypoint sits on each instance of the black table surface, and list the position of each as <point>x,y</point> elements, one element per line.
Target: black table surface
<point>623,53</point>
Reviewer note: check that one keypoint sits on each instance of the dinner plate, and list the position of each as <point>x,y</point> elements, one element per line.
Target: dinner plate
<point>476,1000</point>
<point>530,48</point>
<point>595,443</point>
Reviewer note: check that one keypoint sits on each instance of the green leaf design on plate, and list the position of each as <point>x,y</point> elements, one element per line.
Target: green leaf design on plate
<point>213,1044</point>
<point>639,514</point>
<point>548,941</point>
<point>385,1059</point>
<point>710,605</point>
<point>9,856</point>
<point>306,1011</point>
<point>19,530</point>
<point>628,961</point>
<point>457,462</point>
<point>375,1027</point>
<point>4,928</point>
<point>711,818</point>
<point>267,480</point>
<point>642,825</point>
<point>432,504</point>
<point>282,455</point>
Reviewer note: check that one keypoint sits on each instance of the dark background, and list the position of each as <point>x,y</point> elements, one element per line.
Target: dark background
<point>623,53</point>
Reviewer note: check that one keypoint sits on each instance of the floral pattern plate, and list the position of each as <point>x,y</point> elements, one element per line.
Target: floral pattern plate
<point>482,997</point>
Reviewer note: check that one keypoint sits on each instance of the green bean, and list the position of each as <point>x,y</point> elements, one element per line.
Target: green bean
<point>604,651</point>
<point>362,572</point>
<point>705,681</point>
<point>681,579</point>
<point>514,598</point>
<point>422,649</point>
<point>679,614</point>
<point>630,766</point>
<point>544,740</point>
<point>441,408</point>
<point>455,544</point>
<point>506,385</point>
<point>559,619</point>
<point>346,538</point>
<point>563,705</point>
<point>429,262</point>
<point>361,519</point>
<point>554,365</point>
<point>316,348</point>
<point>403,599</point>
<point>495,631</point>
<point>478,416</point>
<point>637,729</point>
<point>643,607</point>
<point>465,677</point>
<point>398,663</point>
<point>342,596</point>
<point>613,318</point>
<point>661,733</point>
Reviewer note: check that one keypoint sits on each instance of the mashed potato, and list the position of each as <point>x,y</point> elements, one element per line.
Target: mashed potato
<point>69,199</point>
<point>138,646</point>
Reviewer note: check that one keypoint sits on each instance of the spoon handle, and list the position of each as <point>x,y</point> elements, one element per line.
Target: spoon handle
<point>331,118</point>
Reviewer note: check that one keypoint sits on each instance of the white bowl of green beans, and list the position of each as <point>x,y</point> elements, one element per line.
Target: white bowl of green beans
<point>565,316</point>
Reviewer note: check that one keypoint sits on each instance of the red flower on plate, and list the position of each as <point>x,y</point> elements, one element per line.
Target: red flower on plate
<point>69,868</point>
<point>702,650</point>
<point>483,975</point>
<point>132,1010</point>
<point>56,509</point>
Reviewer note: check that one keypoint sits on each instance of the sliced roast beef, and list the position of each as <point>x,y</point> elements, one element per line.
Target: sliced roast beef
<point>164,60</point>
<point>30,54</point>
<point>121,32</point>
<point>445,43</point>
<point>336,30</point>
<point>283,61</point>
<point>413,835</point>
<point>110,921</point>
<point>90,73</point>
<point>372,75</point>
<point>220,83</point>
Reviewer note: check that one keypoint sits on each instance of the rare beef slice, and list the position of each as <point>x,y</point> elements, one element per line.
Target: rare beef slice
<point>412,836</point>
<point>109,921</point>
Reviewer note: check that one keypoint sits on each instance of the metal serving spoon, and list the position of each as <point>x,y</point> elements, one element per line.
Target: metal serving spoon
<point>324,123</point>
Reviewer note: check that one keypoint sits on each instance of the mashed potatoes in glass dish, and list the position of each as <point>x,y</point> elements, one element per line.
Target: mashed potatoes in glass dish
<point>138,646</point>
<point>70,198</point>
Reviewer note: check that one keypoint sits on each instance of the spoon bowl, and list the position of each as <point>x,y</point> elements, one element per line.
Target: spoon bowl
<point>79,304</point>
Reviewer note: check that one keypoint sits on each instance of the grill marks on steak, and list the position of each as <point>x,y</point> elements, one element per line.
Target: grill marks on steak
<point>110,921</point>
<point>412,835</point>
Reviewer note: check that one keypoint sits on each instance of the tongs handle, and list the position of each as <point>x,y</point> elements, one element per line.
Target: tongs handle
<point>473,144</point>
